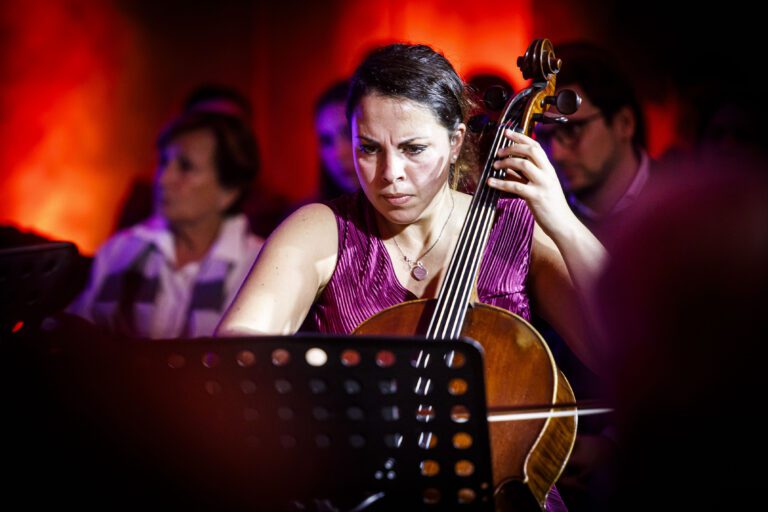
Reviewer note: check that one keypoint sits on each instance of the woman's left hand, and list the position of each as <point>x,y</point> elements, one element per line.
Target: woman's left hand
<point>531,176</point>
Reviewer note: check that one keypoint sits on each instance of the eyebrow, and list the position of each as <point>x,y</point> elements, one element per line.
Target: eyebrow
<point>406,141</point>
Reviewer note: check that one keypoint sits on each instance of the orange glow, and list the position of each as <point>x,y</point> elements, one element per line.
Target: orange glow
<point>482,35</point>
<point>662,119</point>
<point>79,92</point>
<point>59,178</point>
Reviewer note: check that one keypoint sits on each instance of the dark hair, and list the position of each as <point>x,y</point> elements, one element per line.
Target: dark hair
<point>236,154</point>
<point>335,93</point>
<point>420,74</point>
<point>204,98</point>
<point>603,81</point>
<point>480,82</point>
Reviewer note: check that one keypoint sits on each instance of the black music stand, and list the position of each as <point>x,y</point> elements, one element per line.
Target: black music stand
<point>34,282</point>
<point>301,423</point>
<point>322,423</point>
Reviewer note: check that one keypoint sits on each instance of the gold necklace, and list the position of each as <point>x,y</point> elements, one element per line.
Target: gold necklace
<point>418,270</point>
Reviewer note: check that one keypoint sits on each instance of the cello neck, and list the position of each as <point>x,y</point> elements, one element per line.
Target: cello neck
<point>520,114</point>
<point>459,283</point>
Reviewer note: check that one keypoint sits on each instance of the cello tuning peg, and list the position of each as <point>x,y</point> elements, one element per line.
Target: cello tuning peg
<point>567,102</point>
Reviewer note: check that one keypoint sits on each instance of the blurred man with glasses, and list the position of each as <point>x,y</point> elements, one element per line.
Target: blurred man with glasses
<point>600,153</point>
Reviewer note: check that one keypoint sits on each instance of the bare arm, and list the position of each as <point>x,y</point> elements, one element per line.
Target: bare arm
<point>293,267</point>
<point>558,300</point>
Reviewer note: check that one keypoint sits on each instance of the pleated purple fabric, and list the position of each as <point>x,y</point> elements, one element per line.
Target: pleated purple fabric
<point>365,283</point>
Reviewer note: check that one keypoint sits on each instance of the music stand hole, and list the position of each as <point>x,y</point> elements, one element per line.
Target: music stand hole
<point>350,358</point>
<point>213,388</point>
<point>245,358</point>
<point>388,387</point>
<point>420,359</point>
<point>429,467</point>
<point>356,441</point>
<point>454,359</point>
<point>316,357</point>
<point>176,361</point>
<point>211,360</point>
<point>431,496</point>
<point>425,413</point>
<point>423,386</point>
<point>288,441</point>
<point>355,413</point>
<point>320,413</point>
<point>464,468</point>
<point>390,413</point>
<point>459,414</point>
<point>281,357</point>
<point>352,387</point>
<point>248,387</point>
<point>467,496</point>
<point>385,358</point>
<point>462,441</point>
<point>285,413</point>
<point>250,414</point>
<point>317,386</point>
<point>283,386</point>
<point>393,440</point>
<point>322,441</point>
<point>457,387</point>
<point>427,440</point>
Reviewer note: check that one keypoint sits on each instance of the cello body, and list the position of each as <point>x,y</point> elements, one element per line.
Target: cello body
<point>527,456</point>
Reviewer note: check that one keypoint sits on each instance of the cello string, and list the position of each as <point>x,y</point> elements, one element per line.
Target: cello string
<point>451,291</point>
<point>475,233</point>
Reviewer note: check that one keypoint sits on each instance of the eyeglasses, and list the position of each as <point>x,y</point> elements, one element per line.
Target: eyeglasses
<point>567,134</point>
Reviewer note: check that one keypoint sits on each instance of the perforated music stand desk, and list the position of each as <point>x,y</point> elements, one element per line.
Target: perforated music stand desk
<point>325,423</point>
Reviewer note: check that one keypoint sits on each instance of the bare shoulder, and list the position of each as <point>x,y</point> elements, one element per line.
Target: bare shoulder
<point>296,262</point>
<point>309,236</point>
<point>315,220</point>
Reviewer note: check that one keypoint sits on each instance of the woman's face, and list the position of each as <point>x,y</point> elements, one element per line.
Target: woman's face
<point>188,185</point>
<point>402,155</point>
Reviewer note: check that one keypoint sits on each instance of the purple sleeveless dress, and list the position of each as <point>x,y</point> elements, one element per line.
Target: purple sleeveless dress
<point>364,281</point>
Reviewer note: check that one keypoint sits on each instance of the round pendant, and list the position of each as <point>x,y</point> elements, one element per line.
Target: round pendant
<point>418,272</point>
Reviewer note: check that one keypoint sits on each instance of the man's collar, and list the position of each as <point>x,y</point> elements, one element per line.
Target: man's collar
<point>629,196</point>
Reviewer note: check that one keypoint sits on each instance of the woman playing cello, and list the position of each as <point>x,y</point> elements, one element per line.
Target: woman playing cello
<point>347,260</point>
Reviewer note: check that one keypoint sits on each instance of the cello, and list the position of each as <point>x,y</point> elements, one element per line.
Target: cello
<point>528,456</point>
